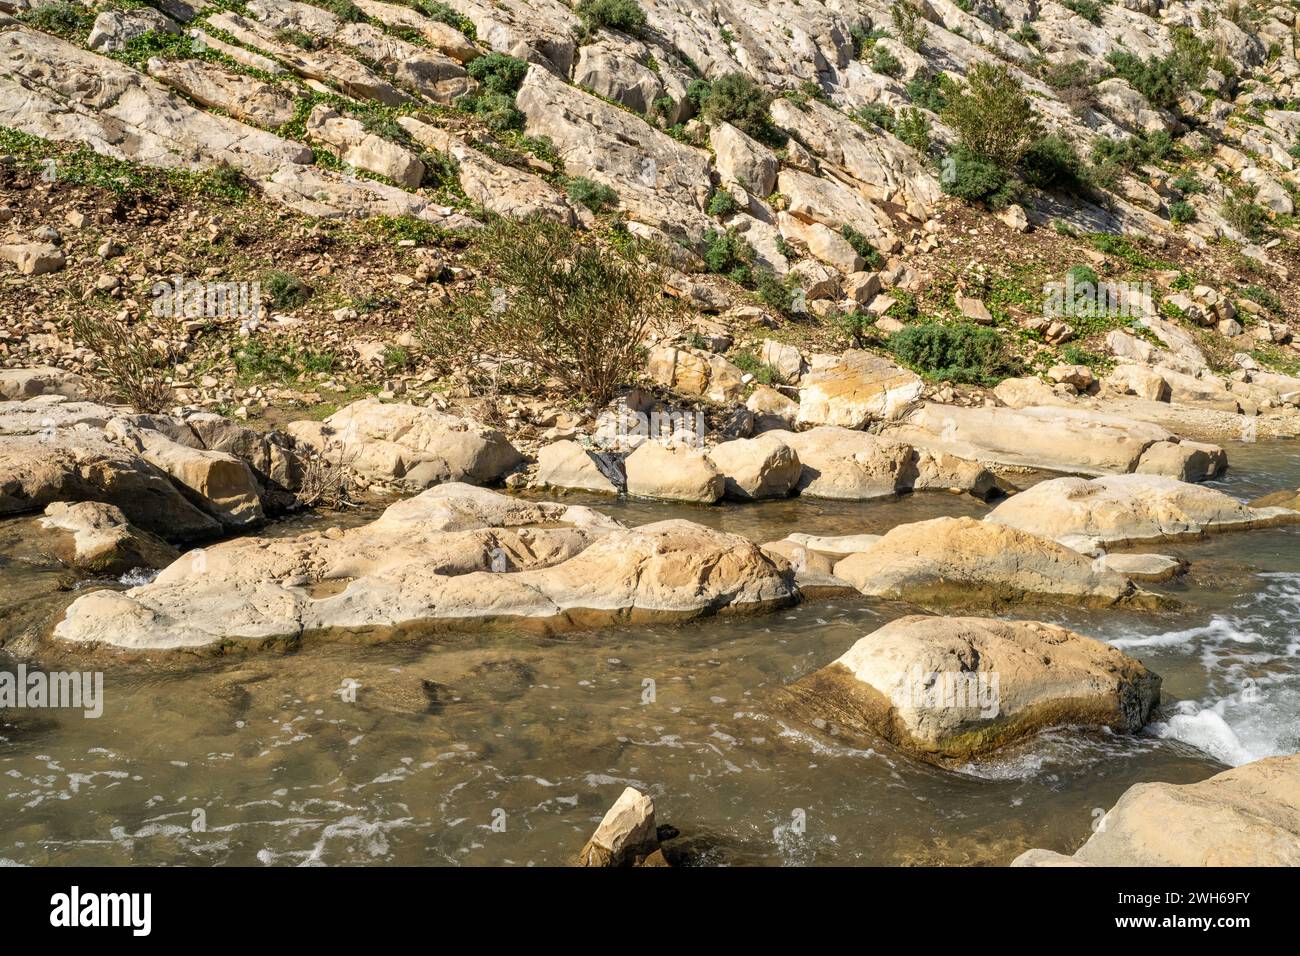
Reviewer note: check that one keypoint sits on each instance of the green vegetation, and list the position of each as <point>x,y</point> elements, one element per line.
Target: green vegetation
<point>992,115</point>
<point>727,253</point>
<point>595,196</point>
<point>954,352</point>
<point>71,21</point>
<point>1090,10</point>
<point>436,10</point>
<point>909,25</point>
<point>884,62</point>
<point>722,204</point>
<point>862,246</point>
<point>738,100</point>
<point>1241,213</point>
<point>263,359</point>
<point>913,128</point>
<point>1163,81</point>
<point>285,290</point>
<point>751,364</point>
<point>551,303</point>
<point>623,15</point>
<point>499,77</point>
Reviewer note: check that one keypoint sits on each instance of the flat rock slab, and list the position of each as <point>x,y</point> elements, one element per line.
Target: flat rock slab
<point>452,556</point>
<point>1122,510</point>
<point>953,688</point>
<point>965,562</point>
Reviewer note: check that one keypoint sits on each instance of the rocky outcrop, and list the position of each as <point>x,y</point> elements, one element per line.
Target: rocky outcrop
<point>353,145</point>
<point>661,182</point>
<point>17,384</point>
<point>965,562</point>
<point>408,447</point>
<point>954,688</point>
<point>243,97</point>
<point>451,557</point>
<point>858,388</point>
<point>1121,510</point>
<point>1246,816</point>
<point>848,464</point>
<point>1054,438</point>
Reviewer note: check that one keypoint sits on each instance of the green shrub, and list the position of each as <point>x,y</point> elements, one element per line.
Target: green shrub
<point>623,15</point>
<point>738,100</point>
<point>751,364</point>
<point>1265,297</point>
<point>345,10</point>
<point>1240,212</point>
<point>1181,212</point>
<point>862,246</point>
<point>595,196</point>
<point>727,253</point>
<point>774,292</point>
<point>63,19</point>
<point>550,303</point>
<point>992,115</point>
<point>1163,81</point>
<point>913,128</point>
<point>974,179</point>
<point>1083,275</point>
<point>1075,355</point>
<point>957,352</point>
<point>285,290</point>
<point>927,91</point>
<point>436,10</point>
<point>1188,184</point>
<point>697,92</point>
<point>722,204</point>
<point>497,111</point>
<point>884,62</point>
<point>909,26</point>
<point>1053,163</point>
<point>857,329</point>
<point>875,114</point>
<point>498,73</point>
<point>1090,10</point>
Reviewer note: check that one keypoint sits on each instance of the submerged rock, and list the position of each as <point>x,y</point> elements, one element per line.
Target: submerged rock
<point>965,562</point>
<point>449,557</point>
<point>1246,816</point>
<point>1129,509</point>
<point>952,688</point>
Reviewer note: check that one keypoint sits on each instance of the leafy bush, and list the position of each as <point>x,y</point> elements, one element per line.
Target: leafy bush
<point>727,253</point>
<point>285,290</point>
<point>1090,10</point>
<point>1053,163</point>
<point>345,10</point>
<point>774,292</point>
<point>1188,184</point>
<point>1265,297</point>
<point>857,329</point>
<point>884,62</point>
<point>957,352</point>
<point>1241,213</point>
<point>862,246</point>
<point>913,128</point>
<point>63,19</point>
<point>738,100</point>
<point>975,179</point>
<point>722,204</point>
<point>498,73</point>
<point>1163,81</point>
<point>131,368</point>
<point>595,196</point>
<point>550,302</point>
<point>909,26</point>
<point>1181,212</point>
<point>623,15</point>
<point>1075,355</point>
<point>436,10</point>
<point>927,91</point>
<point>875,114</point>
<point>992,115</point>
<point>751,364</point>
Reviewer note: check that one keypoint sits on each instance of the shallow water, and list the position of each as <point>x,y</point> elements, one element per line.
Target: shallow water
<point>507,747</point>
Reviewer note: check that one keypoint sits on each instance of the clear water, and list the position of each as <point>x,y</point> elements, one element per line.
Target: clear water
<point>507,747</point>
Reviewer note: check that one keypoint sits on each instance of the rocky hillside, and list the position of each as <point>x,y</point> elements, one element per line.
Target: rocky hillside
<point>821,175</point>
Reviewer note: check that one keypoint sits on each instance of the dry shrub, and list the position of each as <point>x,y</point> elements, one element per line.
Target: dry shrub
<point>131,368</point>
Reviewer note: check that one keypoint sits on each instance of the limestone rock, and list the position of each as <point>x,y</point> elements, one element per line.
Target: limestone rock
<point>762,467</point>
<point>98,538</point>
<point>953,688</point>
<point>627,834</point>
<point>567,465</point>
<point>848,464</point>
<point>679,473</point>
<point>860,387</point>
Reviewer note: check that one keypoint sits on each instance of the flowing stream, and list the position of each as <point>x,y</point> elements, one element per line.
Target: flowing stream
<point>506,747</point>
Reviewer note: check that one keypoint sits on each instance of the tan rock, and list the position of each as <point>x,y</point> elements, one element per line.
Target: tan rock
<point>627,834</point>
<point>678,473</point>
<point>96,537</point>
<point>762,467</point>
<point>567,465</point>
<point>859,388</point>
<point>847,464</point>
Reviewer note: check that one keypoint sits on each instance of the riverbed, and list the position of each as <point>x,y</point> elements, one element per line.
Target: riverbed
<point>506,746</point>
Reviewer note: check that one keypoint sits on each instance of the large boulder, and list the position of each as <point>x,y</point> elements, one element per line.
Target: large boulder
<point>409,446</point>
<point>567,465</point>
<point>1051,438</point>
<point>95,537</point>
<point>114,29</point>
<point>859,388</point>
<point>1120,510</point>
<point>762,467</point>
<point>354,145</point>
<point>451,557</point>
<point>848,464</point>
<point>1246,816</point>
<point>953,688</point>
<point>17,384</point>
<point>744,160</point>
<point>220,484</point>
<point>676,473</point>
<point>965,562</point>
